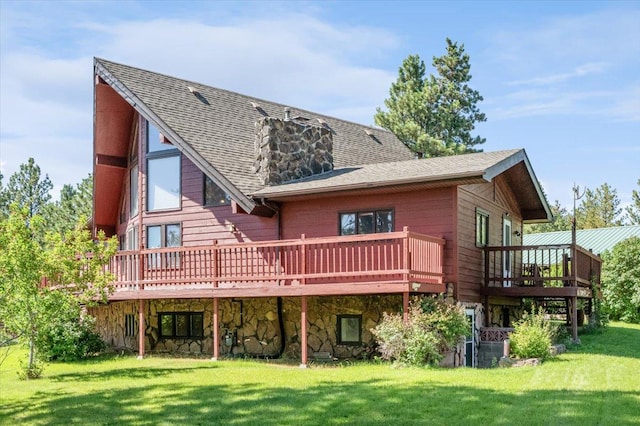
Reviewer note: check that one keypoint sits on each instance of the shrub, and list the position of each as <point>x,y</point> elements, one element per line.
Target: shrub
<point>432,328</point>
<point>69,339</point>
<point>26,372</point>
<point>532,336</point>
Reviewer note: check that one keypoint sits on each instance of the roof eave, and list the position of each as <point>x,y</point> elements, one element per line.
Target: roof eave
<point>511,161</point>
<point>281,195</point>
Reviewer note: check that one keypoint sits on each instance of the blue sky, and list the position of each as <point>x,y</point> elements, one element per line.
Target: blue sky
<point>560,79</point>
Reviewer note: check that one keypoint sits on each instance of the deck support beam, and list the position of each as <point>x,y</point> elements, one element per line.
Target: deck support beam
<point>487,312</point>
<point>405,307</point>
<point>303,332</point>
<point>216,331</point>
<point>574,319</point>
<point>141,328</point>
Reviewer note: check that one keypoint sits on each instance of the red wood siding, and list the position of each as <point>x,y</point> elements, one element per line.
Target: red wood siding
<point>494,198</point>
<point>426,212</point>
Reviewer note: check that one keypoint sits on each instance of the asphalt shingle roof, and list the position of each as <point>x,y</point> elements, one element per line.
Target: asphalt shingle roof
<point>394,173</point>
<point>219,125</point>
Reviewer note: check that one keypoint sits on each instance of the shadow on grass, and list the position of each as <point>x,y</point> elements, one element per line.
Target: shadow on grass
<point>361,403</point>
<point>125,373</point>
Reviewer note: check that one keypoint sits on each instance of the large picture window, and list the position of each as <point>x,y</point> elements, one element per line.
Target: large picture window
<point>181,325</point>
<point>349,329</point>
<point>163,172</point>
<point>163,183</point>
<point>366,222</point>
<point>213,194</point>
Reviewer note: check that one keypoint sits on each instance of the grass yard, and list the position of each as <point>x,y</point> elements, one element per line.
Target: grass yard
<point>597,383</point>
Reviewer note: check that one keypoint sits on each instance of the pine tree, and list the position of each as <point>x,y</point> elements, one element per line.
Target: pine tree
<point>599,208</point>
<point>27,189</point>
<point>434,116</point>
<point>633,211</point>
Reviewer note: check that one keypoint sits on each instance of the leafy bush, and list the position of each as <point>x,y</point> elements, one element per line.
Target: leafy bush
<point>69,336</point>
<point>432,328</point>
<point>532,336</point>
<point>29,372</point>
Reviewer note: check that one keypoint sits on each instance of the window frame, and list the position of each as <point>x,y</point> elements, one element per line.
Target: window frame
<point>170,152</point>
<point>206,203</point>
<point>359,213</point>
<point>166,260</point>
<point>199,334</point>
<point>482,227</point>
<point>339,337</point>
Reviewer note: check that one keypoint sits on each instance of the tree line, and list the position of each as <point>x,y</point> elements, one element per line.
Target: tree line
<point>597,208</point>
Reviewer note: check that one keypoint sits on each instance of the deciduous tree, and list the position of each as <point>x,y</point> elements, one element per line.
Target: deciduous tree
<point>72,262</point>
<point>434,116</point>
<point>621,280</point>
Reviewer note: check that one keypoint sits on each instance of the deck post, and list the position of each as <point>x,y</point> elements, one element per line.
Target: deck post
<point>487,312</point>
<point>141,328</point>
<point>303,332</point>
<point>574,319</point>
<point>405,307</point>
<point>303,264</point>
<point>216,332</point>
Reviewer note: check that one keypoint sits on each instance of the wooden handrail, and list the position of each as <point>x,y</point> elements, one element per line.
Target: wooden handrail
<point>404,255</point>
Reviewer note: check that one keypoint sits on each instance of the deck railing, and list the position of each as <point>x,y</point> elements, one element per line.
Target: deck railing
<point>398,256</point>
<point>563,265</point>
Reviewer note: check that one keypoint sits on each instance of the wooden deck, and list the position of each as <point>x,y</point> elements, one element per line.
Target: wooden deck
<point>398,262</point>
<point>541,271</point>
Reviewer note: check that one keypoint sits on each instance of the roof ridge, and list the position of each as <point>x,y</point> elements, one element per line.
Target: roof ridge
<point>253,98</point>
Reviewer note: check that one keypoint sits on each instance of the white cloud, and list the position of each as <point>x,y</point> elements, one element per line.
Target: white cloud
<point>580,71</point>
<point>46,100</point>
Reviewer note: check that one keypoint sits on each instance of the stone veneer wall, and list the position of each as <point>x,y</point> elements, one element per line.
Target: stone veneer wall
<point>253,323</point>
<point>289,149</point>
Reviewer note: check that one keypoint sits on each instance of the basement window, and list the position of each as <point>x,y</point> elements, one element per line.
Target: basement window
<point>366,222</point>
<point>349,329</point>
<point>129,325</point>
<point>181,325</point>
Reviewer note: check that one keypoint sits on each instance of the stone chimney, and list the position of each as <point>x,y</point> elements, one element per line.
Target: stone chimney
<point>290,149</point>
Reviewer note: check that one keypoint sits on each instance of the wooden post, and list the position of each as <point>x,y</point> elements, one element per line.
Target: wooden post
<point>216,332</point>
<point>487,312</point>
<point>214,264</point>
<point>141,328</point>
<point>405,307</point>
<point>303,332</point>
<point>405,249</point>
<point>303,265</point>
<point>574,319</point>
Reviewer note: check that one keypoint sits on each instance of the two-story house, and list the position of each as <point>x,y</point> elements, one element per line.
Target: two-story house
<point>250,228</point>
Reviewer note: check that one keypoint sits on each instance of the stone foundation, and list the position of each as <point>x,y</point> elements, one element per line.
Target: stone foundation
<point>252,326</point>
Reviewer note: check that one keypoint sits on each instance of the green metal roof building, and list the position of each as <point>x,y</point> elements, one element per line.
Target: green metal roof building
<point>597,240</point>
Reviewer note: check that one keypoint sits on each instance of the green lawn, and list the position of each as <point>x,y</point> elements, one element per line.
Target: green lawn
<point>596,383</point>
